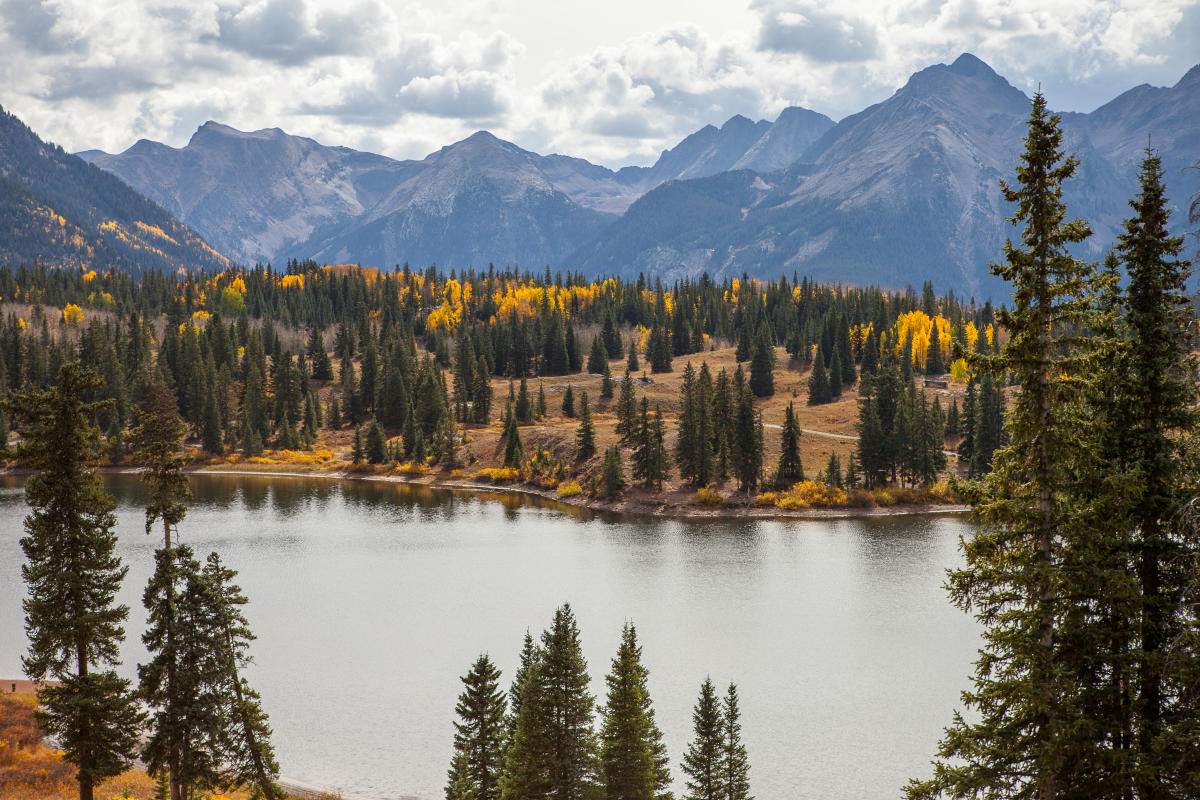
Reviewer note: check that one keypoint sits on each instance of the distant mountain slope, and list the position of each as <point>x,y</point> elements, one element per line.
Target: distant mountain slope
<point>254,194</point>
<point>57,209</point>
<point>904,191</point>
<point>266,195</point>
<point>479,201</point>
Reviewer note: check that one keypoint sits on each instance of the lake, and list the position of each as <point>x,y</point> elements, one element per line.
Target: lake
<point>371,599</point>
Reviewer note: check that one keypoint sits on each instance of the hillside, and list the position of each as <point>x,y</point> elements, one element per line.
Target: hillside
<point>57,209</point>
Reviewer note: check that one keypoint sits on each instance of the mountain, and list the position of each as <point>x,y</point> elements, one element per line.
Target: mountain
<point>489,187</point>
<point>57,209</point>
<point>902,192</point>
<point>253,194</point>
<point>267,196</point>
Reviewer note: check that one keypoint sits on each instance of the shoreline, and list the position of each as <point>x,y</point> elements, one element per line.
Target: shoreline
<point>625,507</point>
<point>630,506</point>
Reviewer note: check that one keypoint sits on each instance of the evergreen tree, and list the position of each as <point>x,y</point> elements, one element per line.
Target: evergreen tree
<point>762,364</point>
<point>633,758</point>
<point>934,364</point>
<point>247,756</point>
<point>568,402</point>
<point>818,383</point>
<point>612,475</point>
<point>627,419</point>
<point>524,404</point>
<point>790,469</point>
<point>376,444</point>
<point>541,402</point>
<point>747,439</point>
<point>835,376</point>
<point>606,383</point>
<point>704,760</point>
<point>481,394</point>
<point>598,357</point>
<point>513,450</point>
<point>735,765</point>
<point>479,735</point>
<point>631,364</point>
<point>357,454</point>
<point>1151,403</point>
<point>1028,734</point>
<point>650,450</point>
<point>73,575</point>
<point>553,754</point>
<point>585,434</point>
<point>158,442</point>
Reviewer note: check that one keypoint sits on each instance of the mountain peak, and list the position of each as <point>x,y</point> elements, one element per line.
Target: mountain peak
<point>212,128</point>
<point>1190,79</point>
<point>968,64</point>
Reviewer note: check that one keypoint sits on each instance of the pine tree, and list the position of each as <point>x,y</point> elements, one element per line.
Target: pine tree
<point>513,449</point>
<point>735,765</point>
<point>479,735</point>
<point>598,357</point>
<point>934,364</point>
<point>376,444</point>
<point>524,404</point>
<point>790,469</point>
<point>650,449</point>
<point>762,364</point>
<point>633,758</point>
<point>553,753</point>
<point>818,383</point>
<point>631,364</point>
<point>606,383</point>
<point>248,758</point>
<point>357,454</point>
<point>703,761</point>
<point>747,439</point>
<point>835,376</point>
<point>627,419</point>
<point>1151,411</point>
<point>158,443</point>
<point>585,434</point>
<point>1028,734</point>
<point>73,575</point>
<point>568,402</point>
<point>481,394</point>
<point>541,402</point>
<point>612,474</point>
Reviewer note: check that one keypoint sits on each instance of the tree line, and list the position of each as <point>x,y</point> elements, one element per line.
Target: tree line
<point>539,739</point>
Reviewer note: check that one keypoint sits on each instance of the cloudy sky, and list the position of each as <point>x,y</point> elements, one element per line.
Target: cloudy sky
<point>614,81</point>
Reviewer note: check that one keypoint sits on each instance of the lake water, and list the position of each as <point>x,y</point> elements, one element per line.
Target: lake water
<point>371,599</point>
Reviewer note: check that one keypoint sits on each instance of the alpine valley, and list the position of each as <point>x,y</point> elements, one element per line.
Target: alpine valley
<point>903,192</point>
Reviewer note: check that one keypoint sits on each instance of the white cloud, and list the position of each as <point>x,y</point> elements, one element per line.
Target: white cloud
<point>407,79</point>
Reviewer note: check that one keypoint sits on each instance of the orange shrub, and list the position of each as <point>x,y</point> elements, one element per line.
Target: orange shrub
<point>709,497</point>
<point>569,489</point>
<point>497,474</point>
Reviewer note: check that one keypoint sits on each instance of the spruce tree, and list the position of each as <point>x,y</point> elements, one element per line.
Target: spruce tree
<point>376,444</point>
<point>479,735</point>
<point>513,449</point>
<point>612,474</point>
<point>703,760</point>
<point>1152,397</point>
<point>790,469</point>
<point>633,758</point>
<point>627,419</point>
<point>818,383</point>
<point>568,402</point>
<point>735,765</point>
<point>934,363</point>
<point>73,575</point>
<point>597,357</point>
<point>1028,734</point>
<point>762,364</point>
<point>585,434</point>
<point>747,438</point>
<point>158,443</point>
<point>835,376</point>
<point>244,740</point>
<point>650,449</point>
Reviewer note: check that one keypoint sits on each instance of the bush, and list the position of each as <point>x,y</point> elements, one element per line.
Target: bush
<point>860,498</point>
<point>412,469</point>
<point>569,489</point>
<point>497,475</point>
<point>709,497</point>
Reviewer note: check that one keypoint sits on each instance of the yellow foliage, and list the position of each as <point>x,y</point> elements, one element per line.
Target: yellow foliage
<point>291,281</point>
<point>497,474</point>
<point>959,372</point>
<point>412,469</point>
<point>90,275</point>
<point>569,489</point>
<point>809,494</point>
<point>709,497</point>
<point>72,314</point>
<point>200,316</point>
